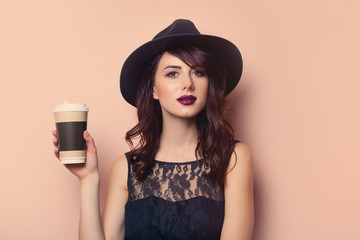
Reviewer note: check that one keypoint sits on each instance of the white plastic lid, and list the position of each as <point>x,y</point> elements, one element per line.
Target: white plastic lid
<point>71,107</point>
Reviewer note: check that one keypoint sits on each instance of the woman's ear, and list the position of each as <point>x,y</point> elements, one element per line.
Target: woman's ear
<point>155,96</point>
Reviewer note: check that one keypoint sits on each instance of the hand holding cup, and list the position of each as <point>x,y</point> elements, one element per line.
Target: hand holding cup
<point>73,144</point>
<point>90,166</point>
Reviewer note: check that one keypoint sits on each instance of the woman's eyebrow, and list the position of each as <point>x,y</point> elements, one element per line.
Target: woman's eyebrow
<point>172,66</point>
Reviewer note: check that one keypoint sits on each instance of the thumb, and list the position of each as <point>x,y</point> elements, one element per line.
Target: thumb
<point>89,142</point>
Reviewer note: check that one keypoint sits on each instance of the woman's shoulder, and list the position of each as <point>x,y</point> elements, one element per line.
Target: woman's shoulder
<point>241,149</point>
<point>241,156</point>
<point>119,170</point>
<point>121,161</point>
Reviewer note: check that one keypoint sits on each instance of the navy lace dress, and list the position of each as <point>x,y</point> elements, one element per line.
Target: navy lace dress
<point>174,202</point>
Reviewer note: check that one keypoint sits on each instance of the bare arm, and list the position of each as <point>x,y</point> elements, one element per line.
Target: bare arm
<point>116,197</point>
<point>239,205</point>
<point>90,226</point>
<point>112,225</point>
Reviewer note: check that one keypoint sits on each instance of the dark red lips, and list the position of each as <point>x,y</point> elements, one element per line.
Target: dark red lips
<point>186,99</point>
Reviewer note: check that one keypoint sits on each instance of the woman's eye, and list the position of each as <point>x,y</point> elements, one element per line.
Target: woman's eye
<point>199,73</point>
<point>171,74</point>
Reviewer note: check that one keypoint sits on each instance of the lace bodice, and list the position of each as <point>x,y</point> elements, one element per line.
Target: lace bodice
<point>176,201</point>
<point>175,182</point>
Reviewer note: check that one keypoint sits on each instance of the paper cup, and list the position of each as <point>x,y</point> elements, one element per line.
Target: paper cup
<point>71,122</point>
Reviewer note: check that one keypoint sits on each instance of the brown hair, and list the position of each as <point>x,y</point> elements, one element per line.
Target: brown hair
<point>211,123</point>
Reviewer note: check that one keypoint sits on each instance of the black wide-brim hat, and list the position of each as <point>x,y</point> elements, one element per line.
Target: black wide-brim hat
<point>181,33</point>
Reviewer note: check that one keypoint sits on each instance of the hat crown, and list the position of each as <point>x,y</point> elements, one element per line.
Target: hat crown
<point>178,27</point>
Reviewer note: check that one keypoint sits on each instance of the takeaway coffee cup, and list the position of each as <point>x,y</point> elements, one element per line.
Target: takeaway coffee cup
<point>71,121</point>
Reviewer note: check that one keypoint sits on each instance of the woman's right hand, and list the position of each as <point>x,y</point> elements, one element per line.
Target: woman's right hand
<point>90,166</point>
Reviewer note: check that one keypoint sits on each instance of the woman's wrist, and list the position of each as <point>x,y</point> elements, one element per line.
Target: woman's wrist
<point>92,178</point>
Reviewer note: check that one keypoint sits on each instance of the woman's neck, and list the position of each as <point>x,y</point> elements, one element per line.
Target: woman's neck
<point>178,139</point>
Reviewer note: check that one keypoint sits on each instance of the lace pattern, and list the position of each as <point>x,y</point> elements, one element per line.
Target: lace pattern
<point>175,182</point>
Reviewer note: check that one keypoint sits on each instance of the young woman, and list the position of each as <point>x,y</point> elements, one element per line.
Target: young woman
<point>186,178</point>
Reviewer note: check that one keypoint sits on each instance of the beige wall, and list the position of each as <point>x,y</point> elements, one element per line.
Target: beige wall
<point>297,105</point>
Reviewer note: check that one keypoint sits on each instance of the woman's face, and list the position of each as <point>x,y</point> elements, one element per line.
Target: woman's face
<point>180,89</point>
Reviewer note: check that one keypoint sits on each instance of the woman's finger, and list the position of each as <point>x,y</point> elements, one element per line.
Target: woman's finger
<point>56,152</point>
<point>55,141</point>
<point>89,142</point>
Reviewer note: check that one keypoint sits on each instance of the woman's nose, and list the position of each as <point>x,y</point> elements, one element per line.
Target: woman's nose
<point>187,83</point>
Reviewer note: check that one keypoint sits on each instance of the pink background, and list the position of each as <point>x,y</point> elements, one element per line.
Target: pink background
<point>296,107</point>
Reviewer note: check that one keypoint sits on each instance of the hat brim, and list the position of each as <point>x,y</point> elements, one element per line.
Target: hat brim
<point>136,64</point>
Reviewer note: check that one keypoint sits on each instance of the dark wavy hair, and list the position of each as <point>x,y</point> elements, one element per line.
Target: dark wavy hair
<point>215,135</point>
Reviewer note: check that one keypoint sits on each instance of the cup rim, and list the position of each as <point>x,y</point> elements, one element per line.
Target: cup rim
<point>71,107</point>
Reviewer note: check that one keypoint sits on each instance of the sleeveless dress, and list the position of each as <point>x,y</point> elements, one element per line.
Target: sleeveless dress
<point>176,201</point>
